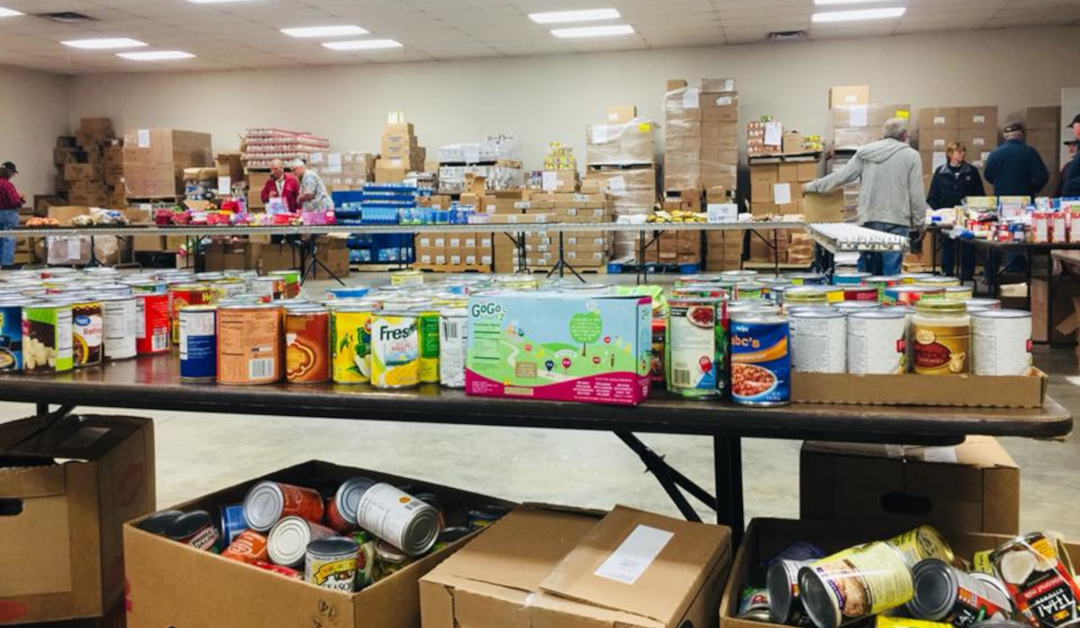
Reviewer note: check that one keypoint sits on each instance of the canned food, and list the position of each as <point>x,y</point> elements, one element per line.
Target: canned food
<point>850,278</point>
<point>341,508</point>
<point>657,368</point>
<point>1001,342</point>
<point>268,288</point>
<point>938,281</point>
<point>687,280</point>
<point>159,522</point>
<point>782,584</point>
<point>248,547</point>
<point>249,344</point>
<point>944,593</point>
<point>982,304</point>
<point>861,293</point>
<point>152,331</point>
<point>1042,587</point>
<point>922,543</point>
<point>232,522</point>
<point>347,292</point>
<point>453,340</point>
<point>850,307</point>
<point>366,568</point>
<point>695,347</point>
<point>959,293</point>
<point>914,278</point>
<point>753,601</point>
<point>88,333</point>
<point>807,279</point>
<point>182,295</point>
<point>266,503</point>
<point>738,276</point>
<point>818,341</point>
<point>388,560</point>
<point>699,291</point>
<point>760,360</point>
<point>121,326</point>
<point>350,343</point>
<point>47,337</point>
<point>911,294</point>
<point>196,529</point>
<point>750,291</point>
<point>805,295</point>
<point>941,335</point>
<point>228,288</point>
<point>307,345</point>
<point>198,343</point>
<point>427,333</point>
<point>288,540</point>
<point>290,282</point>
<point>876,342</point>
<point>406,278</point>
<point>856,583</point>
<point>483,517</point>
<point>331,563</point>
<point>433,500</point>
<point>398,518</point>
<point>395,350</point>
<point>11,337</point>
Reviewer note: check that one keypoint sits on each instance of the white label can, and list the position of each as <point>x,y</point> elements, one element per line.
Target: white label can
<point>398,518</point>
<point>121,326</point>
<point>876,342</point>
<point>818,341</point>
<point>1001,342</point>
<point>453,339</point>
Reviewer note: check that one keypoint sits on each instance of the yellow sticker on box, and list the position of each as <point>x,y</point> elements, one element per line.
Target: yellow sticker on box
<point>903,114</point>
<point>644,127</point>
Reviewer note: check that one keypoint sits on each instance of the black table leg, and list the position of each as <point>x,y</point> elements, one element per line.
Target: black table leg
<point>42,409</point>
<point>727,452</point>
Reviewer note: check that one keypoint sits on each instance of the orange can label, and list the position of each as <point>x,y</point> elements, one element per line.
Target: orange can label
<point>249,345</point>
<point>307,347</point>
<point>248,547</point>
<point>302,502</point>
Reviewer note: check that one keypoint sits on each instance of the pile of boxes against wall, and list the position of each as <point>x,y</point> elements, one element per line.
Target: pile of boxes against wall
<point>155,160</point>
<point>91,165</point>
<point>497,159</point>
<point>343,171</point>
<point>975,127</point>
<point>1044,134</point>
<point>400,151</point>
<point>259,147</point>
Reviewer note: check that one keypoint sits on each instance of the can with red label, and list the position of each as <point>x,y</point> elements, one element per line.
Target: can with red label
<point>307,345</point>
<point>860,293</point>
<point>152,331</point>
<point>248,547</point>
<point>269,502</point>
<point>182,295</point>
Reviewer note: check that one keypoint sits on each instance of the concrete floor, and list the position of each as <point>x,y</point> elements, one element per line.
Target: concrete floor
<point>197,454</point>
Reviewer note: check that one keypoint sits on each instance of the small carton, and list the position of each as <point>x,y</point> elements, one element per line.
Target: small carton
<point>849,95</point>
<point>621,114</point>
<point>563,347</point>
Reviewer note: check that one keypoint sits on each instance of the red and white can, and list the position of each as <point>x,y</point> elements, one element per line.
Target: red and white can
<point>152,330</point>
<point>269,502</point>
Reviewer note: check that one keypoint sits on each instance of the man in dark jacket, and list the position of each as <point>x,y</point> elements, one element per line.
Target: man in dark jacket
<point>952,183</point>
<point>1014,168</point>
<point>1071,186</point>
<point>1060,191</point>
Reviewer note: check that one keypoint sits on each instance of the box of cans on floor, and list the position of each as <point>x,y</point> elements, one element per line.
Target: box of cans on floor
<point>312,545</point>
<point>827,575</point>
<point>65,491</point>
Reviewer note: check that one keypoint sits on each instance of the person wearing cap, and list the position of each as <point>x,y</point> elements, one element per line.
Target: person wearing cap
<point>1014,168</point>
<point>313,195</point>
<point>281,185</point>
<point>10,203</point>
<point>1071,146</point>
<point>1071,180</point>
<point>952,183</point>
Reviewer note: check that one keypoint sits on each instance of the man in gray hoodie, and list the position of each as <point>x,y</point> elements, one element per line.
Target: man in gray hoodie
<point>891,198</point>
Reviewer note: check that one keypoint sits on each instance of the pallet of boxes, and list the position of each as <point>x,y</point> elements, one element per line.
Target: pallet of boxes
<point>343,171</point>
<point>497,159</point>
<point>400,151</point>
<point>91,166</point>
<point>260,146</point>
<point>1043,132</point>
<point>454,251</point>
<point>582,251</point>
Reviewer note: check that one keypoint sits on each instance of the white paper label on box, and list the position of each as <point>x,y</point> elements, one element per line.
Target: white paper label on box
<point>774,132</point>
<point>724,101</point>
<point>472,154</point>
<point>940,159</point>
<point>985,156</point>
<point>939,119</point>
<point>599,133</point>
<point>333,162</point>
<point>850,98</point>
<point>691,97</point>
<point>859,115</point>
<point>978,141</point>
<point>630,560</point>
<point>979,119</point>
<point>74,249</point>
<point>940,454</point>
<point>781,193</point>
<point>224,185</point>
<point>143,138</point>
<point>939,143</point>
<point>617,184</point>
<point>550,180</point>
<point>729,85</point>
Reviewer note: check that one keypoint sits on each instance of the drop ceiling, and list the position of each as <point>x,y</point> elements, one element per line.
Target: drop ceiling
<point>239,35</point>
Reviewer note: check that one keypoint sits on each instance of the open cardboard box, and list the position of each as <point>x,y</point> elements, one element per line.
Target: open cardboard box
<point>172,584</point>
<point>765,537</point>
<point>1021,391</point>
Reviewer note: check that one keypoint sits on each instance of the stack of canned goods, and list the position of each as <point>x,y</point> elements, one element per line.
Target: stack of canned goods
<point>345,538</point>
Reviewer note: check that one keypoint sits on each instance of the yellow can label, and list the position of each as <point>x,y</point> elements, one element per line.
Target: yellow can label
<point>395,351</point>
<point>350,338</point>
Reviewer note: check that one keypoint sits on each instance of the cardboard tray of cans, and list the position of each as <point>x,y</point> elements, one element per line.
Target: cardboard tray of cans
<point>1006,391</point>
<point>764,538</point>
<point>173,584</point>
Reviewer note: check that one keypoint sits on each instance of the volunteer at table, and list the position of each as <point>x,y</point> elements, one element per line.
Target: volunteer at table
<point>281,185</point>
<point>1072,184</point>
<point>10,203</point>
<point>1014,169</point>
<point>952,183</point>
<point>313,195</point>
<point>1071,146</point>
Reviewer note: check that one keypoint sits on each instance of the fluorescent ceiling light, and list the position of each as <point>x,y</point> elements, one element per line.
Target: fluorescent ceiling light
<point>593,31</point>
<point>104,44</point>
<point>156,55</point>
<point>821,3</point>
<point>324,31</point>
<point>863,14</point>
<point>587,15</point>
<point>10,12</point>
<point>362,44</point>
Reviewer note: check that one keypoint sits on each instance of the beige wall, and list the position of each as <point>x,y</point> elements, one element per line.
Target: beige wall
<point>552,98</point>
<point>33,112</point>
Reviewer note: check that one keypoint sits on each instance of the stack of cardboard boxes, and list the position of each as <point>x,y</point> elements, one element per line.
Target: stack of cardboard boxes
<point>701,135</point>
<point>776,188</point>
<point>154,161</point>
<point>400,151</point>
<point>343,171</point>
<point>975,127</point>
<point>724,250</point>
<point>497,159</point>
<point>581,249</point>
<point>764,137</point>
<point>453,251</point>
<point>1044,133</point>
<point>260,146</point>
<point>91,165</point>
<point>678,247</point>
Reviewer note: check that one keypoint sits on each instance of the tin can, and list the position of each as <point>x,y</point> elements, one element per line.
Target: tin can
<point>959,293</point>
<point>914,278</point>
<point>268,288</point>
<point>753,602</point>
<point>805,295</point>
<point>152,286</point>
<point>782,584</point>
<point>181,296</point>
<point>232,522</point>
<point>802,551</point>
<point>307,345</point>
<point>433,500</point>
<point>196,529</point>
<point>11,337</point>
<point>850,307</point>
<point>695,347</point>
<point>350,343</point>
<point>882,283</point>
<point>159,522</point>
<point>121,314</point>
<point>850,278</point>
<point>876,342</point>
<point>938,281</point>
<point>686,280</point>
<point>478,518</point>
<point>807,279</point>
<point>198,343</point>
<point>341,508</point>
<point>266,503</point>
<point>922,543</point>
<point>331,563</point>
<point>406,278</point>
<point>1043,589</point>
<point>944,593</point>
<point>760,360</point>
<point>699,291</point>
<point>861,293</point>
<point>88,333</point>
<point>228,288</point>
<point>290,282</point>
<point>750,291</point>
<point>739,276</point>
<point>248,547</point>
<point>1001,342</point>
<point>249,344</point>
<point>657,368</point>
<point>907,294</point>
<point>449,536</point>
<point>453,340</point>
<point>427,333</point>
<point>347,292</point>
<point>388,560</point>
<point>288,540</point>
<point>395,350</point>
<point>982,304</point>
<point>941,338</point>
<point>818,341</point>
<point>856,583</point>
<point>398,518</point>
<point>366,567</point>
<point>152,330</point>
<point>47,337</point>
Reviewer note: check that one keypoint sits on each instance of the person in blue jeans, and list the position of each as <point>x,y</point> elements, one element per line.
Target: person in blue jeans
<point>10,202</point>
<point>891,198</point>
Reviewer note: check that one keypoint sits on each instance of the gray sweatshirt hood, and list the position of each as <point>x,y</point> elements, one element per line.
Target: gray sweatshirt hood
<point>881,150</point>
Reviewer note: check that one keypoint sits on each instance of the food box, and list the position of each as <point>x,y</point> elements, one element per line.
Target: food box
<point>173,584</point>
<point>563,347</point>
<point>1006,391</point>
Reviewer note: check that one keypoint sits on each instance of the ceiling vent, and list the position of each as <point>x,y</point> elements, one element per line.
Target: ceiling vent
<point>67,17</point>
<point>787,36</point>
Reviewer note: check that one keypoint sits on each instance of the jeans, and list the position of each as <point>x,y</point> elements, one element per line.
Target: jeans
<point>9,219</point>
<point>967,259</point>
<point>883,263</point>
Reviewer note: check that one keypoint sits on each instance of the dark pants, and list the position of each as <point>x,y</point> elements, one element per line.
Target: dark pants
<point>883,263</point>
<point>967,259</point>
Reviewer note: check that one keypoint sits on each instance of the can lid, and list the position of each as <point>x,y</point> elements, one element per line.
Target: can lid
<point>817,599</point>
<point>263,505</point>
<point>159,522</point>
<point>349,494</point>
<point>988,313</point>
<point>757,317</point>
<point>935,586</point>
<point>940,306</point>
<point>333,546</point>
<point>288,541</point>
<point>305,309</point>
<point>780,591</point>
<point>188,524</point>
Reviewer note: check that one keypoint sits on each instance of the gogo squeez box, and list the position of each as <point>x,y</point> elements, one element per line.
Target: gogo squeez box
<point>558,346</point>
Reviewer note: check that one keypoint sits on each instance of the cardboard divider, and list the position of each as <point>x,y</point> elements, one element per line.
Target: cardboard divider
<point>1024,391</point>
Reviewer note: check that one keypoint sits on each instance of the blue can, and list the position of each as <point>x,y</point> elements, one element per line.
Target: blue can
<point>11,358</point>
<point>348,292</point>
<point>807,279</point>
<point>232,523</point>
<point>760,360</point>
<point>198,343</point>
<point>850,278</point>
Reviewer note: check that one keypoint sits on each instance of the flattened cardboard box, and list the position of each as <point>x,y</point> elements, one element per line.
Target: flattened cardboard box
<point>1021,391</point>
<point>62,557</point>
<point>551,567</point>
<point>974,486</point>
<point>171,584</point>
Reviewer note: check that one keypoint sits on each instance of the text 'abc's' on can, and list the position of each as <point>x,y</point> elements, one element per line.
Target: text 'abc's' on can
<point>198,343</point>
<point>760,359</point>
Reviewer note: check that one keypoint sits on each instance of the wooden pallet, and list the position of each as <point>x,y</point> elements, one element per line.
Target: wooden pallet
<point>452,268</point>
<point>587,270</point>
<point>362,267</point>
<point>763,265</point>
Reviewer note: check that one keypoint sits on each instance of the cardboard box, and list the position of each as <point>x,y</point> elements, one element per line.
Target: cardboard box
<point>62,557</point>
<point>979,141</point>
<point>828,207</point>
<point>1038,117</point>
<point>931,118</point>
<point>256,181</point>
<point>148,244</point>
<point>849,95</point>
<point>229,165</point>
<point>1023,391</point>
<point>621,144</point>
<point>937,139</point>
<point>219,256</point>
<point>547,567</point>
<point>154,160</point>
<point>973,486</point>
<point>984,118</point>
<point>259,598</point>
<point>621,114</point>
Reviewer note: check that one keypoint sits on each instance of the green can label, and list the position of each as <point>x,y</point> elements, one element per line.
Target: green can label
<point>427,324</point>
<point>47,339</point>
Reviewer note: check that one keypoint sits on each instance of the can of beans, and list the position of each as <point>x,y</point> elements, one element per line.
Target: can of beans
<point>249,344</point>
<point>350,343</point>
<point>196,529</point>
<point>877,342</point>
<point>152,330</point>
<point>46,330</point>
<point>331,563</point>
<point>121,326</point>
<point>818,341</point>
<point>760,360</point>
<point>266,503</point>
<point>307,345</point>
<point>248,547</point>
<point>198,343</point>
<point>88,333</point>
<point>398,518</point>
<point>695,348</point>
<point>288,540</point>
<point>1001,342</point>
<point>182,295</point>
<point>856,583</point>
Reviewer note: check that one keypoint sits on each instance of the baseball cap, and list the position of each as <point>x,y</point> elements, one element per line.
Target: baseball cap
<point>1076,120</point>
<point>1012,127</point>
<point>1071,142</point>
<point>7,165</point>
